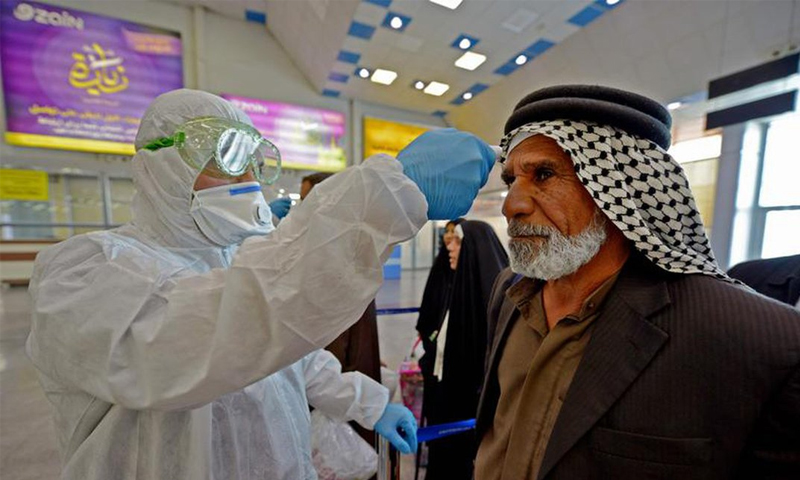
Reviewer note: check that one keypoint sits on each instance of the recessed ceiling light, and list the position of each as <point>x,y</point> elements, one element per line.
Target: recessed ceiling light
<point>674,105</point>
<point>451,4</point>
<point>470,60</point>
<point>436,89</point>
<point>419,84</point>
<point>396,23</point>
<point>363,73</point>
<point>612,2</point>
<point>464,44</point>
<point>467,95</point>
<point>384,77</point>
<point>520,60</point>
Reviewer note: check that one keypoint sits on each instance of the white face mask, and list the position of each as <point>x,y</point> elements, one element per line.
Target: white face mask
<point>230,213</point>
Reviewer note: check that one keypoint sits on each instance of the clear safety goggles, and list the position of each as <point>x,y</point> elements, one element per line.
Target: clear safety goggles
<point>224,148</point>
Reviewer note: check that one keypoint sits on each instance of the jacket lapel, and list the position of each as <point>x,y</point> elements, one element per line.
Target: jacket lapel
<point>508,312</point>
<point>623,342</point>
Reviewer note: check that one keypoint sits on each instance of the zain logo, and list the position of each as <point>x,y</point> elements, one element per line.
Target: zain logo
<point>26,13</point>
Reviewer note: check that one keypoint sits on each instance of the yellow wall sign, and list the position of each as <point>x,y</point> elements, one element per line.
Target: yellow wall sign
<point>23,185</point>
<point>383,136</point>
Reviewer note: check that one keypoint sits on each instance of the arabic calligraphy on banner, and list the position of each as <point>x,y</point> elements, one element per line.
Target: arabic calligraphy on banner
<point>78,81</point>
<point>98,71</point>
<point>383,136</point>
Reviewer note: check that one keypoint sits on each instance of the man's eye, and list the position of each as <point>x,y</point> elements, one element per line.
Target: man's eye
<point>508,179</point>
<point>543,174</point>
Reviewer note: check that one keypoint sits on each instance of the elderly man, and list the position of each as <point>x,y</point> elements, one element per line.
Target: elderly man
<point>618,348</point>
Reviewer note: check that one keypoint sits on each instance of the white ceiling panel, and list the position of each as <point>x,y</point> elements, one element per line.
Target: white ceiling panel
<point>664,48</point>
<point>423,50</point>
<point>370,14</point>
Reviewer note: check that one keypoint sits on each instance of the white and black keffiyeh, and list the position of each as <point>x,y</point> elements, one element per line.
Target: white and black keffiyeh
<point>638,186</point>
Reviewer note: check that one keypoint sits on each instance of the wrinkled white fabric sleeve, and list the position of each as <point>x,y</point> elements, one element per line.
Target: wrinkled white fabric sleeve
<point>131,334</point>
<point>343,396</point>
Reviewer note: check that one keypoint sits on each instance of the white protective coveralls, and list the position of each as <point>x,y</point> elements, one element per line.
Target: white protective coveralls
<point>166,357</point>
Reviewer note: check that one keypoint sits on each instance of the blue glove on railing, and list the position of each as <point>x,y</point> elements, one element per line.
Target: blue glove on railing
<point>280,207</point>
<point>449,167</point>
<point>398,425</point>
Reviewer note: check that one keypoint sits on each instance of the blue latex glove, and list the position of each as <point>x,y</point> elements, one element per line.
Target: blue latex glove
<point>449,167</point>
<point>398,425</point>
<point>280,207</point>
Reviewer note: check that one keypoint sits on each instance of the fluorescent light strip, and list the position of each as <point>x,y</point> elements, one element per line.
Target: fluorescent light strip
<point>451,4</point>
<point>470,60</point>
<point>436,89</point>
<point>384,77</point>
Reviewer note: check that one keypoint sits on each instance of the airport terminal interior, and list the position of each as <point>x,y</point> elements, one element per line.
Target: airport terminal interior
<point>332,83</point>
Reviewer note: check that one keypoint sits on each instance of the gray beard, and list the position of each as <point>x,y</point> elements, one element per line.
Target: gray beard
<point>554,255</point>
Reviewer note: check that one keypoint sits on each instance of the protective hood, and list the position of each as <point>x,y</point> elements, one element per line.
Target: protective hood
<point>164,182</point>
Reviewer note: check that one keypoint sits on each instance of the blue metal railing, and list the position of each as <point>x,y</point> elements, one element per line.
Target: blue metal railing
<point>397,311</point>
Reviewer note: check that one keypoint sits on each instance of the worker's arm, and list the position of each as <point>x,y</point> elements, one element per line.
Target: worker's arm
<point>343,396</point>
<point>121,327</point>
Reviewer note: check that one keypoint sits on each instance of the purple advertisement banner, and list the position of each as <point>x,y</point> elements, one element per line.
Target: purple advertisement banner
<point>79,81</point>
<point>308,138</point>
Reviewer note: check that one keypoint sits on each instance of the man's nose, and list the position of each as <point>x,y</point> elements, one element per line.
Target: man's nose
<point>518,202</point>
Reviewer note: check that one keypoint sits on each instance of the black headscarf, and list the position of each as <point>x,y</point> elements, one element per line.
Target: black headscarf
<point>455,397</point>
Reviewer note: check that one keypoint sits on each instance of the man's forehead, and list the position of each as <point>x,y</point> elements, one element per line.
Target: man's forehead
<point>536,149</point>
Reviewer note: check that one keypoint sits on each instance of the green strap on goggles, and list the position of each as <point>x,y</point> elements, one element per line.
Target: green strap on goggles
<point>165,142</point>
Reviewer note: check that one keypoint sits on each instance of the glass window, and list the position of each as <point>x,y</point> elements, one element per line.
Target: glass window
<point>16,211</point>
<point>781,164</point>
<point>768,224</point>
<point>781,233</point>
<point>75,206</point>
<point>85,199</point>
<point>121,198</point>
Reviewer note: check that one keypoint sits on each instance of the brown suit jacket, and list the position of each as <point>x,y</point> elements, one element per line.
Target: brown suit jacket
<point>684,377</point>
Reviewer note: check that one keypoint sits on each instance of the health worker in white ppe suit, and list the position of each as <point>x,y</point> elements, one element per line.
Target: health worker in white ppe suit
<point>187,344</point>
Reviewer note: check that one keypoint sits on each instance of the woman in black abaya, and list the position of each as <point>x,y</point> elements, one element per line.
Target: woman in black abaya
<point>453,328</point>
<point>435,303</point>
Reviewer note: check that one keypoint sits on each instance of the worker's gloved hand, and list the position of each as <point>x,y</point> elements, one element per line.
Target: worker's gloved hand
<point>398,425</point>
<point>280,207</point>
<point>449,167</point>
